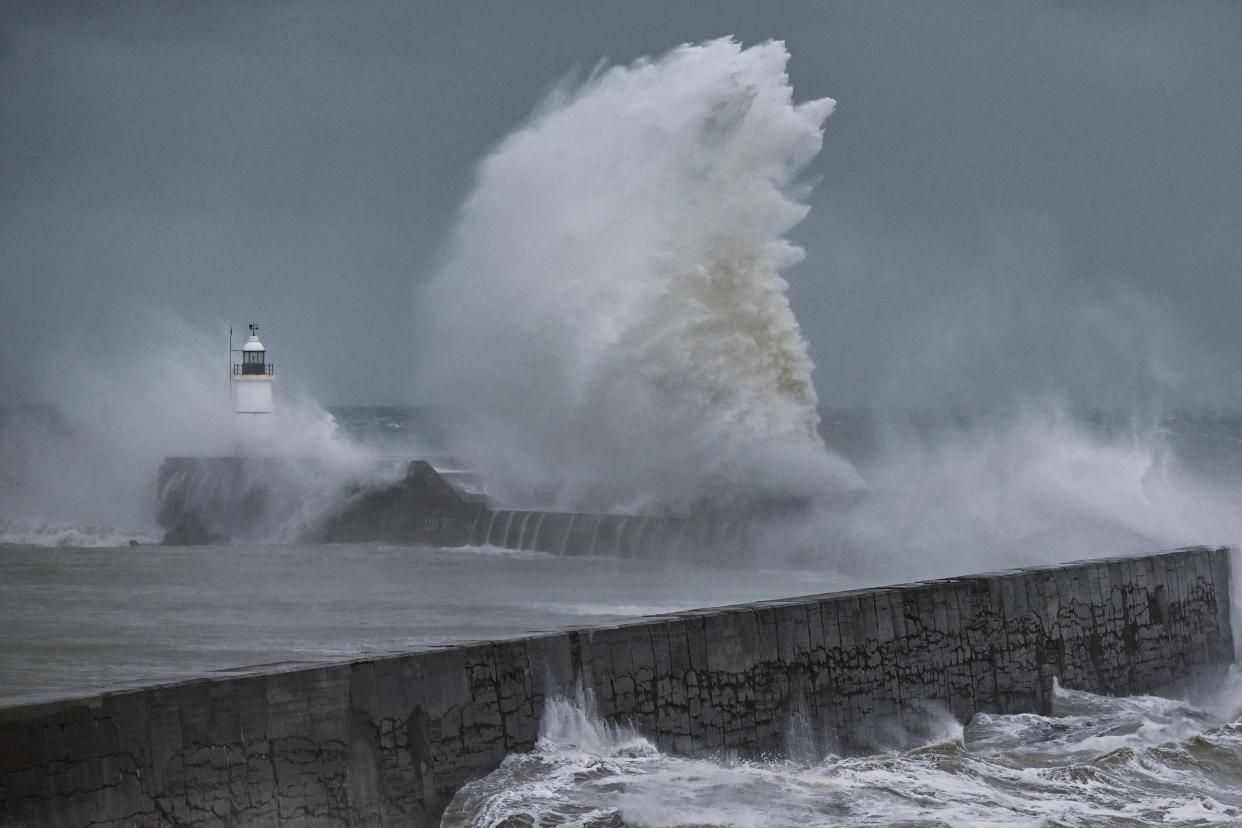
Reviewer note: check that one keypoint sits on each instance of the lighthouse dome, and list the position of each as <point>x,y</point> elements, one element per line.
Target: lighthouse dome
<point>253,344</point>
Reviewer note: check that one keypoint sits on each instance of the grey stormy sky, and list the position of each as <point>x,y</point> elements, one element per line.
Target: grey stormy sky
<point>1013,198</point>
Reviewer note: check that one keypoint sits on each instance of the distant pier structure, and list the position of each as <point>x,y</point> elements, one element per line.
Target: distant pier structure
<point>252,376</point>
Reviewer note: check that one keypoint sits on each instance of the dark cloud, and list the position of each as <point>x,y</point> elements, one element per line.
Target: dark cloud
<point>1040,196</point>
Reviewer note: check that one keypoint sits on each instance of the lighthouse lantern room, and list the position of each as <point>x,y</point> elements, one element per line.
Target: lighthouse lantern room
<point>252,377</point>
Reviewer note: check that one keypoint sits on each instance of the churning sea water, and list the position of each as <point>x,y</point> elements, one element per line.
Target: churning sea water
<point>1096,761</point>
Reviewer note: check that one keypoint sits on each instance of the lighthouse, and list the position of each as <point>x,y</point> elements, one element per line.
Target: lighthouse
<point>252,377</point>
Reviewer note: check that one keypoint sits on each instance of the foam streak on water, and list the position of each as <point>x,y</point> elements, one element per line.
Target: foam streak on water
<point>1097,761</point>
<point>612,295</point>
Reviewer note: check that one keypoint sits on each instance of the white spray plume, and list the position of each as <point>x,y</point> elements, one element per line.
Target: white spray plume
<point>611,306</point>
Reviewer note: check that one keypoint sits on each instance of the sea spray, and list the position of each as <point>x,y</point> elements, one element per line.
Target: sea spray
<point>1039,484</point>
<point>610,310</point>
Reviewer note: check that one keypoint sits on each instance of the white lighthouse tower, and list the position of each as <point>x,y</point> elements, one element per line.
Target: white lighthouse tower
<point>252,377</point>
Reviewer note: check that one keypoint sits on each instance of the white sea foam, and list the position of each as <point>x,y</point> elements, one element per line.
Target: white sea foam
<point>611,307</point>
<point>1001,770</point>
<point>41,534</point>
<point>500,551</point>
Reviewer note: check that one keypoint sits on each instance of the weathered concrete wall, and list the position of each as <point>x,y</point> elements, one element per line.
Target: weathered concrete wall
<point>389,740</point>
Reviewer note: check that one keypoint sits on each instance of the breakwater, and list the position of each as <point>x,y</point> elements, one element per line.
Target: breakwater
<point>203,500</point>
<point>389,740</point>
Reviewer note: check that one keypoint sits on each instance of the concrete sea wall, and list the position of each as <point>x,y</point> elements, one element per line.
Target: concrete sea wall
<point>203,500</point>
<point>387,741</point>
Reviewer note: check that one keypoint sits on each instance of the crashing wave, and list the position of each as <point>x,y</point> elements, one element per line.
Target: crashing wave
<point>611,307</point>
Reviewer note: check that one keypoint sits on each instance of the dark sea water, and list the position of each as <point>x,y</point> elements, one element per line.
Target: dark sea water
<point>73,620</point>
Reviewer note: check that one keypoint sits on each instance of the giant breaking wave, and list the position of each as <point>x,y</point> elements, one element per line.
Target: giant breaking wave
<point>610,308</point>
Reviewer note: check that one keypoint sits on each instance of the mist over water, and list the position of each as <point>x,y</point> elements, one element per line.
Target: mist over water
<point>611,311</point>
<point>81,468</point>
<point>1038,484</point>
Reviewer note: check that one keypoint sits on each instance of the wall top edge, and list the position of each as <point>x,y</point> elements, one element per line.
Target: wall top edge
<point>89,704</point>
